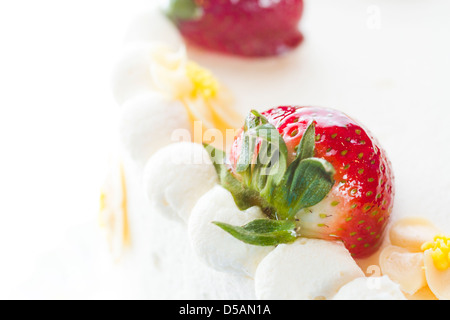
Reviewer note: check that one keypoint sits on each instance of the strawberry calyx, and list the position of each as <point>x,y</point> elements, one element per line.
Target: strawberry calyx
<point>182,10</point>
<point>264,177</point>
<point>262,232</point>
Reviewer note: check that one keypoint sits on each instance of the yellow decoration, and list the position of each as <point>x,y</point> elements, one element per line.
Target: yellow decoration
<point>113,214</point>
<point>440,251</point>
<point>125,226</point>
<point>209,106</point>
<point>203,81</point>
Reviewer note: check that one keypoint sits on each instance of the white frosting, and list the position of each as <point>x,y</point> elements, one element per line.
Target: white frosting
<point>148,123</point>
<point>160,263</point>
<point>306,269</point>
<point>372,288</point>
<point>150,67</point>
<point>154,26</point>
<point>217,248</point>
<point>177,176</point>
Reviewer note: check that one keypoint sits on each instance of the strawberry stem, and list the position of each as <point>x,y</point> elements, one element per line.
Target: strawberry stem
<point>182,10</point>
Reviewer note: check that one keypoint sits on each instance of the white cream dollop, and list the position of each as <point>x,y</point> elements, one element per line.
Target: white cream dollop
<point>214,246</point>
<point>307,269</point>
<point>150,67</point>
<point>370,288</point>
<point>150,122</point>
<point>177,176</point>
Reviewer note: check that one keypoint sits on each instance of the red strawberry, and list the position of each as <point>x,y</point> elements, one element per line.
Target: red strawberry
<point>240,27</point>
<point>357,207</point>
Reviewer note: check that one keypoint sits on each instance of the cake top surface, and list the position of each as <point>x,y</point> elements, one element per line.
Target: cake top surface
<point>384,67</point>
<point>342,76</point>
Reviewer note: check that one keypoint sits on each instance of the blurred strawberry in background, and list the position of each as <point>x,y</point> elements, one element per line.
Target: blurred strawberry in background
<point>254,28</point>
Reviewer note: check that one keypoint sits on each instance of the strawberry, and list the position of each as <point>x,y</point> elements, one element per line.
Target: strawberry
<point>345,192</point>
<point>241,27</point>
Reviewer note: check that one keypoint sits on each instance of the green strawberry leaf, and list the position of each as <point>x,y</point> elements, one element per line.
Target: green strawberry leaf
<point>263,155</point>
<point>262,232</point>
<point>306,183</point>
<point>306,148</point>
<point>246,156</point>
<point>273,154</point>
<point>243,196</point>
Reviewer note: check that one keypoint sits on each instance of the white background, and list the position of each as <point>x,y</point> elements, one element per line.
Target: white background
<point>57,110</point>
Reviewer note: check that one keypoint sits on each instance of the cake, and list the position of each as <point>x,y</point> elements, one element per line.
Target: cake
<point>179,231</point>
